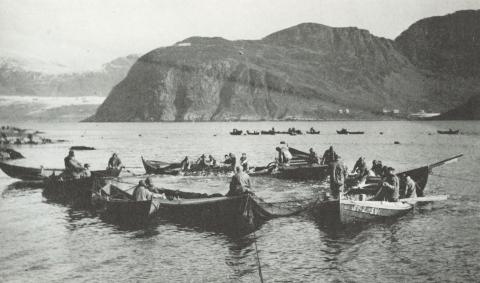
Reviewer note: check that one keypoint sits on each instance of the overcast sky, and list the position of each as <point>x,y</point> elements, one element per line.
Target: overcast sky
<point>83,34</point>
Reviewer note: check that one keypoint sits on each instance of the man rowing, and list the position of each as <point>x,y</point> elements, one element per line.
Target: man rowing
<point>240,183</point>
<point>73,168</point>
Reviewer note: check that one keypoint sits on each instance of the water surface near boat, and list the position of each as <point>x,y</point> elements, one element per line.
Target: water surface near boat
<point>49,241</point>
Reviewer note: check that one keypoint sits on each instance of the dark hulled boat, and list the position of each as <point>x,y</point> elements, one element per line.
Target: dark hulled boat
<point>38,174</point>
<point>448,132</point>
<point>346,132</point>
<point>28,173</point>
<point>160,167</point>
<point>164,168</point>
<point>78,191</point>
<point>239,213</point>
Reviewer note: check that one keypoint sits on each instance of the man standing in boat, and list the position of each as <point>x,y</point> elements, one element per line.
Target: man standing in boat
<point>114,163</point>
<point>284,155</point>
<point>329,156</point>
<point>338,174</point>
<point>408,188</point>
<point>72,166</point>
<point>239,184</point>
<point>244,162</point>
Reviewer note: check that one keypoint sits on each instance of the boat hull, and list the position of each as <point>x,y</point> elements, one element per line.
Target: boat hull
<point>306,172</point>
<point>352,211</point>
<point>27,173</point>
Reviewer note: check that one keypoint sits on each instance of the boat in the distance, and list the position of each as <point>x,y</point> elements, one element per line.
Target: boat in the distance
<point>254,133</point>
<point>236,132</point>
<point>448,132</point>
<point>346,132</point>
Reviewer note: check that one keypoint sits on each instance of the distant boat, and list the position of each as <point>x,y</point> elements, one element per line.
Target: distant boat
<point>345,132</point>
<point>422,114</point>
<point>236,132</point>
<point>449,132</point>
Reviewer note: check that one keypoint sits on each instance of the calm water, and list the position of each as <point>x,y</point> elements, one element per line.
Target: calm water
<point>45,241</point>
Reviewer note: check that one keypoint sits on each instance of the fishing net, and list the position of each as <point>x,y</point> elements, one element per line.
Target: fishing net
<point>286,208</point>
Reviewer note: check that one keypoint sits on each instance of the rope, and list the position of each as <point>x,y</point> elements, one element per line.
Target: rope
<point>258,257</point>
<point>456,178</point>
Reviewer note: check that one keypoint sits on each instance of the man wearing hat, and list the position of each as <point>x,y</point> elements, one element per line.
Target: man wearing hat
<point>338,174</point>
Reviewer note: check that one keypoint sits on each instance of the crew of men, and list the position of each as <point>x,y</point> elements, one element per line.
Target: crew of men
<point>74,169</point>
<point>391,187</point>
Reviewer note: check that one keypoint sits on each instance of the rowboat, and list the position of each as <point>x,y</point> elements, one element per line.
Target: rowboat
<point>361,211</point>
<point>79,190</point>
<point>345,132</point>
<point>28,173</point>
<point>37,174</point>
<point>354,209</point>
<point>449,132</point>
<point>164,168</point>
<point>313,132</point>
<point>81,147</point>
<point>254,133</point>
<point>268,132</point>
<point>242,213</point>
<point>160,167</point>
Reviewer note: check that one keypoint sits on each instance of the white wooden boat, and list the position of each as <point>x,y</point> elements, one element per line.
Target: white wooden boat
<point>361,211</point>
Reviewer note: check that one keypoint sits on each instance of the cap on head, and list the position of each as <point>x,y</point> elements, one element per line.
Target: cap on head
<point>238,169</point>
<point>282,142</point>
<point>141,183</point>
<point>71,152</point>
<point>148,181</point>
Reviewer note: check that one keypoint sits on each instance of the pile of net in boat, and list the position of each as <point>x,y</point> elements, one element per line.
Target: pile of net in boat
<point>286,208</point>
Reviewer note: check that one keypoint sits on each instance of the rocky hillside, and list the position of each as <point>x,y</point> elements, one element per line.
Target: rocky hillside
<point>309,71</point>
<point>467,111</point>
<point>24,77</point>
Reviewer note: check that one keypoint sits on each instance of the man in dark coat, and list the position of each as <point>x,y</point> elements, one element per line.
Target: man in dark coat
<point>239,184</point>
<point>338,174</point>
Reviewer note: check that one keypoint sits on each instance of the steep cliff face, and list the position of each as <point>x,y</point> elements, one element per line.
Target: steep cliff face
<point>467,111</point>
<point>305,72</point>
<point>448,44</point>
<point>309,71</point>
<point>447,50</point>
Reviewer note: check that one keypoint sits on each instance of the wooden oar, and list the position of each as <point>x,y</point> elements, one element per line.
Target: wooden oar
<point>424,199</point>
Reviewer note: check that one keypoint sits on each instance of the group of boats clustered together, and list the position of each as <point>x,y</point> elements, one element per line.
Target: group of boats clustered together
<point>358,196</point>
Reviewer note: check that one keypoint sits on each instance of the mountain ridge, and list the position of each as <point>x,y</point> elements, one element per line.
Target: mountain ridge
<point>308,71</point>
